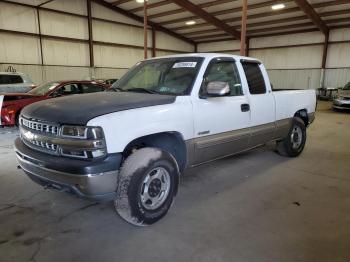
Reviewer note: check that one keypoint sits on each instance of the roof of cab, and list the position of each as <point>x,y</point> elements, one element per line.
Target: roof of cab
<point>209,56</point>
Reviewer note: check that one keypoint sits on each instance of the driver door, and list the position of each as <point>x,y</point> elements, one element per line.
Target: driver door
<point>222,123</point>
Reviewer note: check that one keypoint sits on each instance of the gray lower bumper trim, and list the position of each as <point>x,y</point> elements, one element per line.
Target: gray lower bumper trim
<point>93,186</point>
<point>341,107</point>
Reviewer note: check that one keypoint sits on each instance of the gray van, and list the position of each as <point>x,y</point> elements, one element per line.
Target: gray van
<point>15,82</point>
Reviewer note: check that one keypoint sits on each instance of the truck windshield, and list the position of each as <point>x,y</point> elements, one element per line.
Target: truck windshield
<point>168,76</point>
<point>43,88</point>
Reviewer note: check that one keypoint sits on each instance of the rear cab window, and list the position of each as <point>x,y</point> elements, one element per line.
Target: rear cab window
<point>255,78</point>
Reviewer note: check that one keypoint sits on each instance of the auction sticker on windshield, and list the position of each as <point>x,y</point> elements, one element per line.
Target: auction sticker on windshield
<point>184,64</point>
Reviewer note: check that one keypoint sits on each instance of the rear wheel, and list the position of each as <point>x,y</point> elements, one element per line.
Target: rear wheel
<point>293,144</point>
<point>147,184</point>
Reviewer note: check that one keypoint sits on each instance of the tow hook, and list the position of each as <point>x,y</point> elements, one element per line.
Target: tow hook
<point>19,167</point>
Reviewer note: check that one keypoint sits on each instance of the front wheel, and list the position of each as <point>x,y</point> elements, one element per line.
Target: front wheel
<point>293,144</point>
<point>148,182</point>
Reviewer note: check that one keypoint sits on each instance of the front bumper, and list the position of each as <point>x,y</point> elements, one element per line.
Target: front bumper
<point>341,104</point>
<point>92,180</point>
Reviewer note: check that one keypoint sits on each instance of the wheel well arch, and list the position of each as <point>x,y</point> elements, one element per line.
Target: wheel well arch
<point>302,114</point>
<point>171,141</point>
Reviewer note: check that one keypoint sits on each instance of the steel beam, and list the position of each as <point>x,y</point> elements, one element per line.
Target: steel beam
<point>140,20</point>
<point>154,44</point>
<point>91,44</point>
<point>244,28</point>
<point>40,38</point>
<point>311,13</point>
<point>325,50</point>
<point>145,30</point>
<point>207,17</point>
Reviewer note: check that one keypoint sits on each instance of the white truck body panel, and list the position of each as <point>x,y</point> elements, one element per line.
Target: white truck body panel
<point>122,127</point>
<point>290,101</point>
<point>211,115</point>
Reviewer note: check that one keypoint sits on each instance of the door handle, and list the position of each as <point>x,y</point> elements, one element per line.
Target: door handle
<point>245,107</point>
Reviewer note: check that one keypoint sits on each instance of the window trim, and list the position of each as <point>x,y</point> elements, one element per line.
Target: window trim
<point>250,61</point>
<point>214,60</point>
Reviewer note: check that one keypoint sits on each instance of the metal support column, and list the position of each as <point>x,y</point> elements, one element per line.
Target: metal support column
<point>145,48</point>
<point>244,27</point>
<point>91,43</point>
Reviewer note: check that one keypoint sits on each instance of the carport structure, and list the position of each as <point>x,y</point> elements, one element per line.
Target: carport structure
<point>203,21</point>
<point>293,37</point>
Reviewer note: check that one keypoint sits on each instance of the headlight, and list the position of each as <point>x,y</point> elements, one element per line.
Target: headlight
<point>75,131</point>
<point>82,132</point>
<point>85,142</point>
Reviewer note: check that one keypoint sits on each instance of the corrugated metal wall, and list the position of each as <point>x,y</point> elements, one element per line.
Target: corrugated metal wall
<point>289,64</point>
<point>294,61</point>
<point>119,42</point>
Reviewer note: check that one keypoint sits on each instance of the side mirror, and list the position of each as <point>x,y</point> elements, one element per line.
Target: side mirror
<point>218,88</point>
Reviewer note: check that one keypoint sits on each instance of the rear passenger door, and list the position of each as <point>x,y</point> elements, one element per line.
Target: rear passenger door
<point>222,123</point>
<point>262,103</point>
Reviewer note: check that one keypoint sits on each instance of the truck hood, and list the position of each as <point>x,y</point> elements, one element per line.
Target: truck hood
<point>79,109</point>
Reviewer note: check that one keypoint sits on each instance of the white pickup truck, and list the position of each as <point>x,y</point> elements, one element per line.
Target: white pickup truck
<point>166,114</point>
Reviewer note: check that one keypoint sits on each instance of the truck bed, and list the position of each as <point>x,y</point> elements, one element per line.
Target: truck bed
<point>287,102</point>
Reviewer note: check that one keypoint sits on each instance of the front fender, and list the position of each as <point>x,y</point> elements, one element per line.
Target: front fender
<point>122,127</point>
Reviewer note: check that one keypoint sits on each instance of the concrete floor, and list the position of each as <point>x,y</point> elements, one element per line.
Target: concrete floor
<point>257,206</point>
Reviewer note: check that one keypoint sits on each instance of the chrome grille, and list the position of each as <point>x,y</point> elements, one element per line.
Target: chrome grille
<point>45,146</point>
<point>40,126</point>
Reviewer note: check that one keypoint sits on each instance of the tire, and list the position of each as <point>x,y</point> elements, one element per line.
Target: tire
<point>17,120</point>
<point>293,144</point>
<point>148,182</point>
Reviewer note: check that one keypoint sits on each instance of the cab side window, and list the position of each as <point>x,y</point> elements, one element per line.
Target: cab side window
<point>69,89</point>
<point>224,71</point>
<point>91,88</point>
<point>255,79</point>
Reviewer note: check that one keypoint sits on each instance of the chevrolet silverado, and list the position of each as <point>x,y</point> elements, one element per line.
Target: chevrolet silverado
<point>166,114</point>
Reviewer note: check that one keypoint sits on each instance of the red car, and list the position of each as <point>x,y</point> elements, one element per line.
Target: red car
<point>11,104</point>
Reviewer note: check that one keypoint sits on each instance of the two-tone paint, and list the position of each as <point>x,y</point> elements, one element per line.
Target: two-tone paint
<point>219,118</point>
<point>207,128</point>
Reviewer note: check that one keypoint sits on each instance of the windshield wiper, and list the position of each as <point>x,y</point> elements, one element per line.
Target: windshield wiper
<point>140,89</point>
